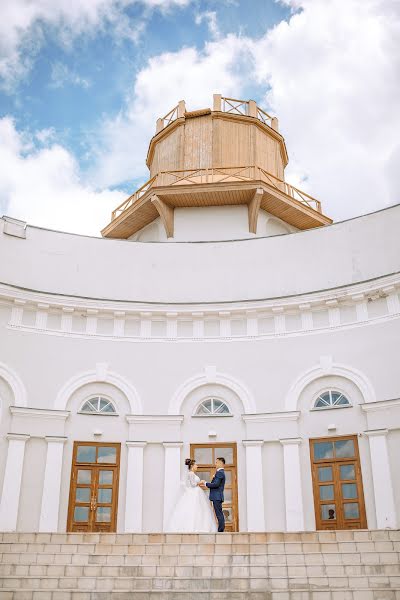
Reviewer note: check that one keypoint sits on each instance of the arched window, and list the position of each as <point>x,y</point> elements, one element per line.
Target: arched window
<point>212,407</point>
<point>98,406</point>
<point>331,399</point>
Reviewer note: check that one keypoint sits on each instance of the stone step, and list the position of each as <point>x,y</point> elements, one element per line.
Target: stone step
<point>299,594</point>
<point>221,554</point>
<point>208,584</point>
<point>224,538</point>
<point>216,561</point>
<point>194,549</point>
<point>348,565</point>
<point>241,570</point>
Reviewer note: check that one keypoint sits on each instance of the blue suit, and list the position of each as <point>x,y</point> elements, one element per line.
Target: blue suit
<point>216,488</point>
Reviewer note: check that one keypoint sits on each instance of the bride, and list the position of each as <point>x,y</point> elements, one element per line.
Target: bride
<point>193,512</point>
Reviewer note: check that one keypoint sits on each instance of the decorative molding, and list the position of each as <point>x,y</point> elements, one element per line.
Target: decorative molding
<point>237,337</point>
<point>290,441</point>
<point>252,323</point>
<point>100,375</point>
<point>380,405</point>
<point>275,416</point>
<point>347,372</point>
<point>172,325</point>
<point>256,443</point>
<point>15,383</point>
<point>172,444</point>
<point>305,306</point>
<point>211,376</point>
<point>20,437</point>
<point>39,413</point>
<point>136,444</point>
<point>376,432</point>
<point>17,312</point>
<point>66,319</point>
<point>51,439</point>
<point>42,311</point>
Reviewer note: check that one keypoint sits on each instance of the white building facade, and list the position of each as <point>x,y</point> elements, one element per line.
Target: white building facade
<point>119,358</point>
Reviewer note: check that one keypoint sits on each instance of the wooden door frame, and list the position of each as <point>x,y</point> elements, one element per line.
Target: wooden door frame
<point>233,445</point>
<point>96,467</point>
<point>335,461</point>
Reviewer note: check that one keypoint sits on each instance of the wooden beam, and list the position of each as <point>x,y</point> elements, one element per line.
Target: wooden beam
<point>254,208</point>
<point>166,213</point>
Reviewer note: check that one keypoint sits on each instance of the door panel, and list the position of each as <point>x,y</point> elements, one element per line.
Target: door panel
<point>205,456</point>
<point>94,487</point>
<point>337,483</point>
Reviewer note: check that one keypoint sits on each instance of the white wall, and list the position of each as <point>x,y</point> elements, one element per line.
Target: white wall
<point>364,339</point>
<point>356,250</point>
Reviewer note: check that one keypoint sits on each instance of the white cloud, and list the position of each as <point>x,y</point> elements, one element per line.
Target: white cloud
<point>44,187</point>
<point>189,74</point>
<point>210,18</point>
<point>25,23</point>
<point>331,75</point>
<point>62,75</point>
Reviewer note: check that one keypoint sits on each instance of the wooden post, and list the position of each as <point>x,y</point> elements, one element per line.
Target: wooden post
<point>217,102</point>
<point>166,213</point>
<point>252,109</point>
<point>275,124</point>
<point>254,208</point>
<point>159,125</point>
<point>181,109</point>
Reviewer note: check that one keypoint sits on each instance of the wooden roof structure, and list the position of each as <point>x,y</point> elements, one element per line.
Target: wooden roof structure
<point>192,161</point>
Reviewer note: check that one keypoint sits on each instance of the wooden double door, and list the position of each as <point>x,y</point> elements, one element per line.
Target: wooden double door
<point>337,483</point>
<point>205,456</point>
<point>93,498</point>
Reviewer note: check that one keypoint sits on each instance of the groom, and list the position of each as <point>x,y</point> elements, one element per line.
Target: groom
<point>216,488</point>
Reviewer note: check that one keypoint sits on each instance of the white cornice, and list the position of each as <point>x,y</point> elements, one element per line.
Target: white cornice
<point>376,432</point>
<point>141,419</point>
<point>290,441</point>
<point>316,299</point>
<point>39,413</point>
<point>323,301</point>
<point>20,437</point>
<point>276,416</point>
<point>136,444</point>
<point>172,444</point>
<point>253,443</point>
<point>380,405</point>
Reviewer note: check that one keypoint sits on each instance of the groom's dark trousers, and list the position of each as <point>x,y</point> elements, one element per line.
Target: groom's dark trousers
<point>216,488</point>
<point>219,514</point>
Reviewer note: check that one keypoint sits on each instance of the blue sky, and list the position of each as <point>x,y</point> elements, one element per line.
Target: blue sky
<point>82,83</point>
<point>69,88</point>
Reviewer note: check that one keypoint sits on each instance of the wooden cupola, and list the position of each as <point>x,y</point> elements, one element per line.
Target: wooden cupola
<point>230,155</point>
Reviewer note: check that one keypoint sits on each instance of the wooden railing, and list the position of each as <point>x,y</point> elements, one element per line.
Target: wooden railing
<point>247,108</point>
<point>232,106</point>
<point>218,175</point>
<point>132,199</point>
<point>177,112</point>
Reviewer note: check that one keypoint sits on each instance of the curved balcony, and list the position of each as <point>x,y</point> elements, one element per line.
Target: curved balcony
<point>250,185</point>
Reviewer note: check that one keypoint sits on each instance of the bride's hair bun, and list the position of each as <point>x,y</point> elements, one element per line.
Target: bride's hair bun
<point>189,462</point>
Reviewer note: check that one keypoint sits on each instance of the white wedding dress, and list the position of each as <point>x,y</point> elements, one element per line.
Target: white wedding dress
<point>193,512</point>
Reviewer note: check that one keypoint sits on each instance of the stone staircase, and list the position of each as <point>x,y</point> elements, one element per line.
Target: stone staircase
<point>343,565</point>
